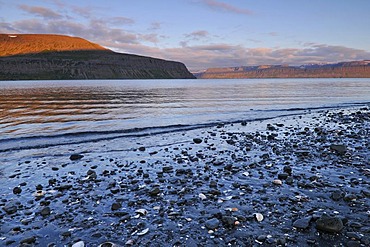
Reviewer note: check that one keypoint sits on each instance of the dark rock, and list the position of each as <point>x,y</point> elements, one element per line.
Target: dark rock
<point>45,211</point>
<point>76,157</point>
<point>10,208</point>
<point>339,148</point>
<point>197,140</point>
<point>353,243</point>
<point>303,223</point>
<point>17,190</point>
<point>288,169</point>
<point>329,224</point>
<point>212,223</point>
<point>154,191</point>
<point>141,149</point>
<point>337,195</point>
<point>229,221</point>
<point>116,206</point>
<point>283,176</point>
<point>29,240</point>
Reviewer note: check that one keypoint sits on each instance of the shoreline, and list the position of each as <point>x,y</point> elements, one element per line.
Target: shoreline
<point>306,175</point>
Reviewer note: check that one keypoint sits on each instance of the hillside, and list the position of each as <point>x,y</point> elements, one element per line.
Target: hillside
<point>355,69</point>
<point>51,57</point>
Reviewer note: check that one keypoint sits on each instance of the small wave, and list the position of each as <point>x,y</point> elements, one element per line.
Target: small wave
<point>45,141</point>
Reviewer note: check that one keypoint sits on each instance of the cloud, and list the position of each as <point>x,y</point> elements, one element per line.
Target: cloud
<point>120,21</point>
<point>196,35</point>
<point>217,5</point>
<point>155,26</point>
<point>40,11</point>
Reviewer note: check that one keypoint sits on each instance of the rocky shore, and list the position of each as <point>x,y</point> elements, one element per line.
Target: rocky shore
<point>290,181</point>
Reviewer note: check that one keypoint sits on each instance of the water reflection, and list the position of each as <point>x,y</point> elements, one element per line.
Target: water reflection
<point>47,107</point>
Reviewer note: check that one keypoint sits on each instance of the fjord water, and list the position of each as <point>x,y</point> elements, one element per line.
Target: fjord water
<point>61,112</point>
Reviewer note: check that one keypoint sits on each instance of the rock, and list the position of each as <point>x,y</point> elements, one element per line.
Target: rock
<point>229,221</point>
<point>336,195</point>
<point>212,224</point>
<point>197,140</point>
<point>76,157</point>
<point>303,223</point>
<point>288,169</point>
<point>10,208</point>
<point>154,191</point>
<point>116,206</point>
<point>353,243</point>
<point>283,176</point>
<point>141,149</point>
<point>339,148</point>
<point>17,190</point>
<point>29,240</point>
<point>329,224</point>
<point>45,211</point>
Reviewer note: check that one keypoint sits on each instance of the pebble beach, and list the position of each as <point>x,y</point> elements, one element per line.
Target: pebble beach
<point>299,180</point>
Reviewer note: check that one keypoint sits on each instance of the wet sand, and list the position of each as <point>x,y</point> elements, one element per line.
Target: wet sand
<point>290,181</point>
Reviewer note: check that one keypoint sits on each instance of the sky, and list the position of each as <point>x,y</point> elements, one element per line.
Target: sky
<point>205,33</point>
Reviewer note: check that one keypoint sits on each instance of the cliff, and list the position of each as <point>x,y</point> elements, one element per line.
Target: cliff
<point>58,57</point>
<point>355,69</point>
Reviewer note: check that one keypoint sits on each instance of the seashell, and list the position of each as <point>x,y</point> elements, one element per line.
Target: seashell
<point>108,244</point>
<point>259,217</point>
<point>39,193</point>
<point>141,211</point>
<point>246,174</point>
<point>202,196</point>
<point>277,182</point>
<point>79,244</point>
<point>143,232</point>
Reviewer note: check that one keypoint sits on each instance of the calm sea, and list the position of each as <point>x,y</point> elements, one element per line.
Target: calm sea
<point>54,112</point>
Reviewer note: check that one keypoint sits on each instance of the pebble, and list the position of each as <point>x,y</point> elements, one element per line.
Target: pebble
<point>212,224</point>
<point>154,191</point>
<point>10,207</point>
<point>17,190</point>
<point>197,140</point>
<point>45,211</point>
<point>303,223</point>
<point>329,224</point>
<point>29,240</point>
<point>116,206</point>
<point>339,148</point>
<point>76,157</point>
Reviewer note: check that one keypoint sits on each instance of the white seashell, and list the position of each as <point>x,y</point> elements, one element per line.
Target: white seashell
<point>130,242</point>
<point>39,193</point>
<point>143,232</point>
<point>106,244</point>
<point>79,244</point>
<point>277,182</point>
<point>259,217</point>
<point>246,174</point>
<point>141,211</point>
<point>202,196</point>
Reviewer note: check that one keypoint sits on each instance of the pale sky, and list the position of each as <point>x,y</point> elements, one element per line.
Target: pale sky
<point>205,33</point>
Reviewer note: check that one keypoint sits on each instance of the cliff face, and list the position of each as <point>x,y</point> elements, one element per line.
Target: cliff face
<point>57,57</point>
<point>356,69</point>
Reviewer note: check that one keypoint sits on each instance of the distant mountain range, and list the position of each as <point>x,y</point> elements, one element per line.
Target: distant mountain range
<point>354,69</point>
<point>51,57</point>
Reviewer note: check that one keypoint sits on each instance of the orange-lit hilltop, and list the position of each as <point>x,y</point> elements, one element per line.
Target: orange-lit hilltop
<point>14,44</point>
<point>59,57</point>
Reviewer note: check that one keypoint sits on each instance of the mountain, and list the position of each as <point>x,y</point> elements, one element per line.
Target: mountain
<point>354,69</point>
<point>59,57</point>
